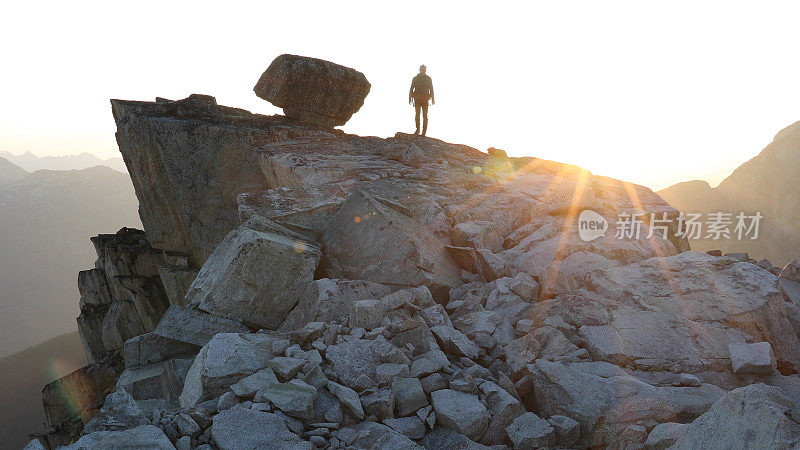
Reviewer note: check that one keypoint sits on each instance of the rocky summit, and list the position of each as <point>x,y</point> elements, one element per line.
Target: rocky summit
<point>299,287</point>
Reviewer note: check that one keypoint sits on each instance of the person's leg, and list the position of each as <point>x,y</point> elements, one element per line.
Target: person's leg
<point>424,119</point>
<point>417,107</point>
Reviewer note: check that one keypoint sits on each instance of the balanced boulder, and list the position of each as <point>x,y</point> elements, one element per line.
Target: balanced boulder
<point>312,90</point>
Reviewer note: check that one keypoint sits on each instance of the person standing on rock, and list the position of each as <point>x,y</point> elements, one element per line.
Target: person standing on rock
<point>421,91</point>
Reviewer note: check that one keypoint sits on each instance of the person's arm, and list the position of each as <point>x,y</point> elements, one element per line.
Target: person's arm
<point>433,99</point>
<point>410,91</point>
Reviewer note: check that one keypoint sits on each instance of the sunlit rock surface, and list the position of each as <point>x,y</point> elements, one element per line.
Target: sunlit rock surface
<point>335,291</point>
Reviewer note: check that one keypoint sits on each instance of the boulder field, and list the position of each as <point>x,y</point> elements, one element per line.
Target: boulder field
<point>299,287</point>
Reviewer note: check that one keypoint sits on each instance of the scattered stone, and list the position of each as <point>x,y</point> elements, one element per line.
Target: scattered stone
<point>294,400</point>
<point>119,412</point>
<point>225,360</point>
<point>568,430</point>
<point>410,426</point>
<point>349,399</point>
<point>156,381</point>
<point>353,358</point>
<point>285,367</point>
<point>687,379</point>
<point>144,436</point>
<point>427,415</point>
<point>151,348</point>
<point>455,342</point>
<point>433,382</point>
<point>530,431</point>
<point>741,257</point>
<point>461,412</point>
<point>184,443</point>
<point>665,435</point>
<point>436,359</point>
<point>409,396</point>
<point>791,271</point>
<point>365,382</point>
<point>227,401</point>
<point>187,426</point>
<point>617,399</point>
<point>503,407</point>
<point>464,257</point>
<point>244,428</point>
<point>330,300</point>
<point>634,436</point>
<point>248,386</point>
<point>194,327</point>
<point>379,404</point>
<point>477,234</point>
<point>376,435</point>
<point>445,438</point>
<point>754,358</point>
<point>524,326</point>
<point>389,248</point>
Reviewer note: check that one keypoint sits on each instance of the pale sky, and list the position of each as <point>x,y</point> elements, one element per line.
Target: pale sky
<point>649,92</point>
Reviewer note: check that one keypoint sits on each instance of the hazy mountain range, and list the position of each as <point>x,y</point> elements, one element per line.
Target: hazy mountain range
<point>46,220</point>
<point>10,172</point>
<point>31,162</point>
<point>766,184</point>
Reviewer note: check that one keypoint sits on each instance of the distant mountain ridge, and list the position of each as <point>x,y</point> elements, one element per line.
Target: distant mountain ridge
<point>45,219</point>
<point>766,184</point>
<point>10,172</point>
<point>31,162</point>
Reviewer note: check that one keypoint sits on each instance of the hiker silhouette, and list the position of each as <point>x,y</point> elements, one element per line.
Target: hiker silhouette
<point>421,91</point>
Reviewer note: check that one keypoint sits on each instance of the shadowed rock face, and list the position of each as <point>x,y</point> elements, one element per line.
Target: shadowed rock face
<point>313,91</point>
<point>123,296</point>
<point>366,292</point>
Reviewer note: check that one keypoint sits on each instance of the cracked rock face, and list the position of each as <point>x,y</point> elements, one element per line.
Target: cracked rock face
<point>298,287</point>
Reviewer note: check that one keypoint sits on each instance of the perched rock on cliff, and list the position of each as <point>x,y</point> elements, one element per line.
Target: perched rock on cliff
<point>312,90</point>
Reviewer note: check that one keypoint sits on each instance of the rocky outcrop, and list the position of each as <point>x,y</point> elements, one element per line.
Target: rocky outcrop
<point>312,90</point>
<point>187,194</point>
<point>358,292</point>
<point>123,296</point>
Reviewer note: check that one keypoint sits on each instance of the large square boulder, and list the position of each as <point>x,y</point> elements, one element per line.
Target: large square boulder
<point>254,276</point>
